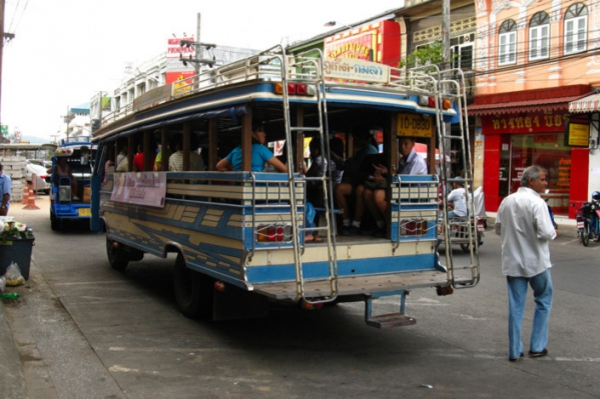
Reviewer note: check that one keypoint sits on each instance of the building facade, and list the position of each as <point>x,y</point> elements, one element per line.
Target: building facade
<point>537,65</point>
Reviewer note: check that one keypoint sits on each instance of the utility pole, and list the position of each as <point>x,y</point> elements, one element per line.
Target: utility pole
<point>198,45</point>
<point>68,118</point>
<point>198,51</point>
<point>3,35</point>
<point>447,63</point>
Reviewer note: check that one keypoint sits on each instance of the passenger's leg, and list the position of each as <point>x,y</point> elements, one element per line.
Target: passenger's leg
<point>370,202</point>
<point>360,206</point>
<point>341,191</point>
<point>74,189</point>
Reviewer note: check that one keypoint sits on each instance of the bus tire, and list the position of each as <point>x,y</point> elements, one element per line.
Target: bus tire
<point>467,248</point>
<point>116,258</point>
<point>193,290</point>
<point>54,222</point>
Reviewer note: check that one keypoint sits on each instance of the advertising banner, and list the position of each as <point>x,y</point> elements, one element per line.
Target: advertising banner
<point>356,69</point>
<point>378,42</point>
<point>174,48</point>
<point>141,188</point>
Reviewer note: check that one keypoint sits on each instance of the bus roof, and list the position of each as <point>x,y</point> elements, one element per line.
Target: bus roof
<point>230,89</point>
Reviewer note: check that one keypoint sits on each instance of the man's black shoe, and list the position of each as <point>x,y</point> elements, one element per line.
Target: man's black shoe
<point>544,352</point>
<point>516,359</point>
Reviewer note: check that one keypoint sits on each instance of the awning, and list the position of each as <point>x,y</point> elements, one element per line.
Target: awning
<point>557,103</point>
<point>587,104</point>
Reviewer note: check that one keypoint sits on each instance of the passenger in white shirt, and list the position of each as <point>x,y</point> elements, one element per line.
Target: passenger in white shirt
<point>524,223</point>
<point>457,197</point>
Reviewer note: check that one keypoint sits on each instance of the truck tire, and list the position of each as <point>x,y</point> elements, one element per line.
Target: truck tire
<point>116,258</point>
<point>193,290</point>
<point>54,222</point>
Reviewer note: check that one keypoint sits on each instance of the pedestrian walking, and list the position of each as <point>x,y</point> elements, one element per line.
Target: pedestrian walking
<point>525,226</point>
<point>5,189</point>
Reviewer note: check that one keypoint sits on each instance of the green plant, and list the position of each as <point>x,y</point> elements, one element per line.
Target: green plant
<point>15,231</point>
<point>430,54</point>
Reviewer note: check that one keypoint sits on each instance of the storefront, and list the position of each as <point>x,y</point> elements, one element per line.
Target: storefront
<point>529,128</point>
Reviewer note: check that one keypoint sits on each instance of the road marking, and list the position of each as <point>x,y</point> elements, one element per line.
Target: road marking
<point>570,242</point>
<point>494,357</point>
<point>92,282</point>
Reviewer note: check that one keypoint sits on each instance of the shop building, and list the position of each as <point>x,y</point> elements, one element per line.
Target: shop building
<point>535,69</point>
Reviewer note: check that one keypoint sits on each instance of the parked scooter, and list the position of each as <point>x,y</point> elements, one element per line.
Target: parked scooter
<point>588,220</point>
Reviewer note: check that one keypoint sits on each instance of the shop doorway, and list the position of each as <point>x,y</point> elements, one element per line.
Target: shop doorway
<point>517,152</point>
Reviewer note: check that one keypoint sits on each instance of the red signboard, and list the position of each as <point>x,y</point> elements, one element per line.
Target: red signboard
<point>378,42</point>
<point>524,123</point>
<point>178,77</point>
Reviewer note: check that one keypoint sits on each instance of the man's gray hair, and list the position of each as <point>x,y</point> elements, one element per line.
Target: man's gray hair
<point>532,172</point>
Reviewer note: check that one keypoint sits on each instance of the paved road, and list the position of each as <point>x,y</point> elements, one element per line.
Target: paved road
<point>83,330</point>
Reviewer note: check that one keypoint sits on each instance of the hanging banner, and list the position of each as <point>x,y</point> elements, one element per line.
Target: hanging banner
<point>141,188</point>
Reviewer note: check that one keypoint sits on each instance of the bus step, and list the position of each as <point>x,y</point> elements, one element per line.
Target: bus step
<point>390,320</point>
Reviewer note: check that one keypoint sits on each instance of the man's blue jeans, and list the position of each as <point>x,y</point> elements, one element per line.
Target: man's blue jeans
<point>517,294</point>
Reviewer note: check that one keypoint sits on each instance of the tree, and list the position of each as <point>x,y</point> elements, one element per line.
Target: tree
<point>429,54</point>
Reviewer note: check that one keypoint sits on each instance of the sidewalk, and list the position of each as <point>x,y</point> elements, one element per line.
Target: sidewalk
<point>566,227</point>
<point>12,381</point>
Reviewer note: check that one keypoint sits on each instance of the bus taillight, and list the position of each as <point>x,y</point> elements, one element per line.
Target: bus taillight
<point>297,89</point>
<point>413,228</point>
<point>272,234</point>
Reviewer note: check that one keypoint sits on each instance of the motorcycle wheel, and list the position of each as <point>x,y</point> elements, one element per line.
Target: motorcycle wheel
<point>585,235</point>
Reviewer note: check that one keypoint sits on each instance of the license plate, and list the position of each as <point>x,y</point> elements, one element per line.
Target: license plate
<point>84,212</point>
<point>580,225</point>
<point>480,228</point>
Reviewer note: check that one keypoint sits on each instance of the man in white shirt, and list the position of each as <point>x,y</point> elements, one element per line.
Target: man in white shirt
<point>457,197</point>
<point>524,223</point>
<point>410,162</point>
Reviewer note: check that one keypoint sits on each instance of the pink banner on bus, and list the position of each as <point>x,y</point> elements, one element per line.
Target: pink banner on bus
<point>141,188</point>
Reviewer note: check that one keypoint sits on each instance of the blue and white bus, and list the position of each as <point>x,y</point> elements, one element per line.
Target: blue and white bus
<point>70,196</point>
<point>239,236</point>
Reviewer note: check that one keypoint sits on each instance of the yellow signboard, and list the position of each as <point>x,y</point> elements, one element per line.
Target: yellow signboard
<point>578,135</point>
<point>414,125</point>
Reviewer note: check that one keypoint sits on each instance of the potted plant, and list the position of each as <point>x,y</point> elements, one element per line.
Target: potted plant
<point>16,242</point>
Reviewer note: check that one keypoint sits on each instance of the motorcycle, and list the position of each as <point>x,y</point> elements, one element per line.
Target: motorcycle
<point>588,220</point>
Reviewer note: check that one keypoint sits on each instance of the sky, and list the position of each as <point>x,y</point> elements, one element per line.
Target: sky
<point>66,51</point>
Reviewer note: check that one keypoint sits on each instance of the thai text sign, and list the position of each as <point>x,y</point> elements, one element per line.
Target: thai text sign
<point>577,135</point>
<point>523,123</point>
<point>141,188</point>
<point>414,125</point>
<point>355,69</point>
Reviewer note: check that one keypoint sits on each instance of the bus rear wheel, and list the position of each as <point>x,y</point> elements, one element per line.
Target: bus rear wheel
<point>116,258</point>
<point>193,290</point>
<point>54,222</point>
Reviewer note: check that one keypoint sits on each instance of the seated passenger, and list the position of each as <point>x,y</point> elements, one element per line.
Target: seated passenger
<point>62,169</point>
<point>410,162</point>
<point>260,155</point>
<point>457,197</point>
<point>375,197</point>
<point>176,159</point>
<point>336,149</point>
<point>138,160</point>
<point>351,184</point>
<point>123,166</point>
